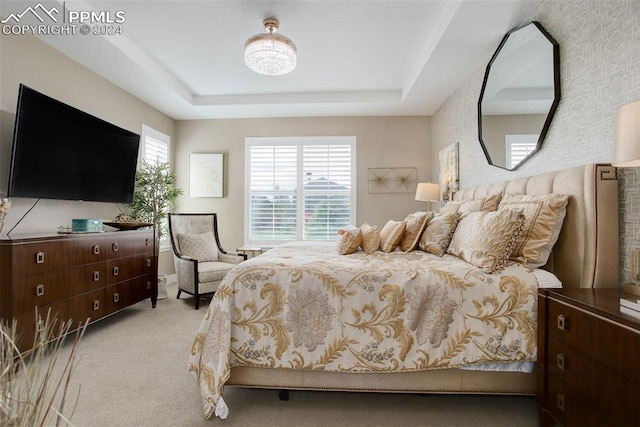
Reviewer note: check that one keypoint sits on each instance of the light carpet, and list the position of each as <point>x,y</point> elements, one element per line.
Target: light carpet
<point>133,372</point>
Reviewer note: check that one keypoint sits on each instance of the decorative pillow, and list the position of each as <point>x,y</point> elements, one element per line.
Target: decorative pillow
<point>370,238</point>
<point>492,202</point>
<point>544,215</point>
<point>391,235</point>
<point>349,239</point>
<point>486,239</point>
<point>415,224</point>
<point>450,207</point>
<point>486,204</point>
<point>437,236</point>
<point>198,246</point>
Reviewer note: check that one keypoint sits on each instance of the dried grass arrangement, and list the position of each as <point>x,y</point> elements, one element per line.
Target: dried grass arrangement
<point>34,385</point>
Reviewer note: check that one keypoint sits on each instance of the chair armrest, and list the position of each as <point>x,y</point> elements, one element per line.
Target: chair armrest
<point>232,257</point>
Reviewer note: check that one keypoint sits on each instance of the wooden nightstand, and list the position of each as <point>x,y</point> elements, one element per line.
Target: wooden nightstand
<point>588,359</point>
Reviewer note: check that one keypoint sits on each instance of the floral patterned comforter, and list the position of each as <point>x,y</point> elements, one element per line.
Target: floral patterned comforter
<point>303,306</point>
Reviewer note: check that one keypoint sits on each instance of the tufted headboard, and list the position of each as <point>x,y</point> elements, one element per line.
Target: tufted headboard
<point>586,254</point>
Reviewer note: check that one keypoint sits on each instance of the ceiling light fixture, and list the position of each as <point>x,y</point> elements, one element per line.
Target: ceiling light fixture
<point>270,54</point>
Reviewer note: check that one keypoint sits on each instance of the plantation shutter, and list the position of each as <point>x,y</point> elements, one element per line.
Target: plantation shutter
<point>519,147</point>
<point>299,188</point>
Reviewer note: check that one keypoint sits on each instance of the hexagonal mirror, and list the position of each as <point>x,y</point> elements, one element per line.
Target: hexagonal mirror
<point>519,96</point>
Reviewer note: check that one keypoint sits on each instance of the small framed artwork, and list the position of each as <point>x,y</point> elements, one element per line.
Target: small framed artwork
<point>392,180</point>
<point>206,172</point>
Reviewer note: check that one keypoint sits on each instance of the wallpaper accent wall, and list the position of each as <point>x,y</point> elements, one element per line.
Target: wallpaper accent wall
<point>600,72</point>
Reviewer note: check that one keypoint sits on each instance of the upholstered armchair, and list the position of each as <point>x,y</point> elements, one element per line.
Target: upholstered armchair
<point>200,261</point>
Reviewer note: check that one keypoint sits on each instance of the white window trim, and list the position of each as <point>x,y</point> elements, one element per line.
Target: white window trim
<point>300,141</point>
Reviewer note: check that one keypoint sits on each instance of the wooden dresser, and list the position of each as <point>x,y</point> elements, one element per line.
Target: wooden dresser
<point>78,276</point>
<point>588,359</point>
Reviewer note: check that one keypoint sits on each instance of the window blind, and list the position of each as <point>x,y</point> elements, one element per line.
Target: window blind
<point>299,188</point>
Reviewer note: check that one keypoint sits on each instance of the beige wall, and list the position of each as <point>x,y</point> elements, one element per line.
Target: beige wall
<point>381,142</point>
<point>26,59</point>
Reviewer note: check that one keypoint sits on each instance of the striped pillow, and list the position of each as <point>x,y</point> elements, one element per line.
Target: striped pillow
<point>391,235</point>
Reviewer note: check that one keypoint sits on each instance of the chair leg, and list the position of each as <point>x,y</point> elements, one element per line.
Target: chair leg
<point>197,298</point>
<point>179,292</point>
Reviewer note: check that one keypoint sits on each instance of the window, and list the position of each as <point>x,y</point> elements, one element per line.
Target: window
<point>519,147</point>
<point>299,188</point>
<point>154,146</point>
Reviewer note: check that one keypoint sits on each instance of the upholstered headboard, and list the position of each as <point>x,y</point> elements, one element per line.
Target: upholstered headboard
<point>586,254</point>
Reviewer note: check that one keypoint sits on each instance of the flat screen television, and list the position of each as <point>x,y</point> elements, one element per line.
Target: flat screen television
<point>60,152</point>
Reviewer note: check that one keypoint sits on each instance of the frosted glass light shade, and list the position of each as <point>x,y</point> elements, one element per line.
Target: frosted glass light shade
<point>270,54</point>
<point>626,149</point>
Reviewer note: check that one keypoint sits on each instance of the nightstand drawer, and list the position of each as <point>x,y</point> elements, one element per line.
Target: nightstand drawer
<point>570,409</point>
<point>582,373</point>
<point>595,336</point>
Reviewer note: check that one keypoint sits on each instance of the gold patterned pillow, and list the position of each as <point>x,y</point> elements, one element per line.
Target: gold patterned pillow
<point>544,215</point>
<point>415,224</point>
<point>349,239</point>
<point>486,239</point>
<point>198,246</point>
<point>370,238</point>
<point>492,202</point>
<point>390,235</point>
<point>437,236</point>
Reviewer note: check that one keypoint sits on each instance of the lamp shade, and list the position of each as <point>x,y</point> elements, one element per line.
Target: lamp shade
<point>626,149</point>
<point>428,192</point>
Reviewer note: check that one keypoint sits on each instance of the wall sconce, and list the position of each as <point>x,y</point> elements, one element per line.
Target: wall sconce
<point>626,148</point>
<point>428,192</point>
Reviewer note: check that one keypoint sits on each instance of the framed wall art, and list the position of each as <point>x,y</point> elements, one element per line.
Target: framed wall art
<point>392,180</point>
<point>206,172</point>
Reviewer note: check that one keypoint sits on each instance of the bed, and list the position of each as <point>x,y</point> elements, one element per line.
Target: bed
<point>301,316</point>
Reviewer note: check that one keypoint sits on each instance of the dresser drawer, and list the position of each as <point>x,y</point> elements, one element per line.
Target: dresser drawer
<point>90,305</point>
<point>599,338</point>
<point>121,269</point>
<point>125,245</point>
<point>46,288</point>
<point>130,292</point>
<point>39,257</point>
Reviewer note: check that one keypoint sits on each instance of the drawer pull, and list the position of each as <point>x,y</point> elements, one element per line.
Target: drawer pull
<point>96,304</point>
<point>148,262</point>
<point>95,249</point>
<point>40,258</point>
<point>148,285</point>
<point>116,270</point>
<point>96,276</point>
<point>147,242</point>
<point>116,297</point>
<point>560,361</point>
<point>114,247</point>
<point>39,290</point>
<point>560,402</point>
<point>563,323</point>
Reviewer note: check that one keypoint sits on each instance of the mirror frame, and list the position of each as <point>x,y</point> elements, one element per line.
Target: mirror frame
<point>552,109</point>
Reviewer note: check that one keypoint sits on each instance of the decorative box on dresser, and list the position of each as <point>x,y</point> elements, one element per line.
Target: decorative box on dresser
<point>588,359</point>
<point>79,276</point>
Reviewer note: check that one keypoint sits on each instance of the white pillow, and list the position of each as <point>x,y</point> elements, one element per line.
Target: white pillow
<point>198,246</point>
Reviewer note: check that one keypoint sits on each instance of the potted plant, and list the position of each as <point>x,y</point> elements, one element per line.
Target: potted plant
<point>154,194</point>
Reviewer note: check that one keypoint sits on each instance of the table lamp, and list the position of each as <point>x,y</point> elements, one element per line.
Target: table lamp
<point>428,192</point>
<point>626,148</point>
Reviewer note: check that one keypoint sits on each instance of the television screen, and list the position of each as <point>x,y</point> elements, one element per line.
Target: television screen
<point>60,152</point>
